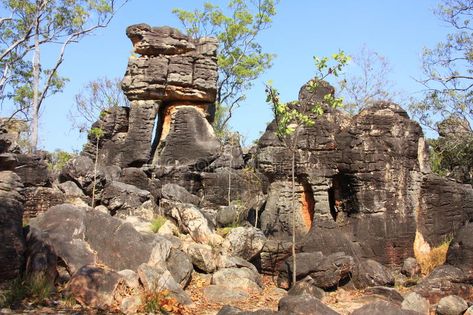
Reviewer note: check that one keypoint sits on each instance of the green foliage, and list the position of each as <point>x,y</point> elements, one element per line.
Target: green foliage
<point>96,133</point>
<point>447,68</point>
<point>240,57</point>
<point>157,223</point>
<point>453,157</point>
<point>294,115</point>
<point>58,159</point>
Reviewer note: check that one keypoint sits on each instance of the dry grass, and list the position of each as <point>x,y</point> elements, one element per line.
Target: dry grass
<point>437,256</point>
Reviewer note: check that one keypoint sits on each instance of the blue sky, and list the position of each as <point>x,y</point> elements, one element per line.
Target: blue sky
<point>397,29</point>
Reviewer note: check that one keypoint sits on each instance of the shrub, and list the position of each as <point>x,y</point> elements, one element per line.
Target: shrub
<point>160,302</point>
<point>157,223</point>
<point>58,159</point>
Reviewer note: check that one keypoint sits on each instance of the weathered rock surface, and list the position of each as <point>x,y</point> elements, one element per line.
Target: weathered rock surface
<point>327,272</point>
<point>242,278</point>
<point>383,308</point>
<point>188,138</point>
<point>244,242</point>
<point>11,227</point>
<point>307,286</point>
<point>451,305</point>
<point>445,280</point>
<point>177,193</point>
<point>124,199</point>
<point>82,236</point>
<point>156,278</point>
<point>94,286</point>
<point>180,267</point>
<point>369,273</point>
<point>246,186</point>
<point>304,305</point>
<point>362,185</point>
<point>386,293</point>
<point>80,170</point>
<point>415,302</point>
<point>10,130</point>
<point>444,208</point>
<point>39,199</point>
<point>33,170</point>
<point>191,220</point>
<point>410,267</point>
<point>460,252</point>
<point>171,67</point>
<point>222,294</point>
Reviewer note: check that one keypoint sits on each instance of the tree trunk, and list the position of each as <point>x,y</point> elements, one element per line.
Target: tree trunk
<point>36,96</point>
<point>95,170</point>
<point>293,171</point>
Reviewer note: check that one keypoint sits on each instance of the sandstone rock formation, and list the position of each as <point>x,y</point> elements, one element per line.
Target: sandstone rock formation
<point>11,228</point>
<point>175,76</point>
<point>363,186</point>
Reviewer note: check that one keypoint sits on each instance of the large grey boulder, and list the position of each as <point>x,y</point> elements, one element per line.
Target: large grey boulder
<point>383,308</point>
<point>178,193</point>
<point>304,305</point>
<point>327,272</point>
<point>451,305</point>
<point>223,294</point>
<point>80,170</point>
<point>410,267</point>
<point>156,278</point>
<point>307,286</point>
<point>242,278</point>
<point>417,303</point>
<point>94,287</point>
<point>245,242</point>
<point>33,170</point>
<point>192,221</point>
<point>81,236</point>
<point>369,273</point>
<point>124,199</point>
<point>180,266</point>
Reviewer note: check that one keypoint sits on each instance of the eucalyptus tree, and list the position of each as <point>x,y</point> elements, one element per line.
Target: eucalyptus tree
<point>241,58</point>
<point>32,27</point>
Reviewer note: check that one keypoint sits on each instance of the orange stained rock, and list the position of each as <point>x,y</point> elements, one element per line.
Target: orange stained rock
<point>307,210</point>
<point>169,112</point>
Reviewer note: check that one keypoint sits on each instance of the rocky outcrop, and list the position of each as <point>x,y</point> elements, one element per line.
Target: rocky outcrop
<point>11,228</point>
<point>170,66</point>
<point>443,209</point>
<point>171,84</point>
<point>362,185</point>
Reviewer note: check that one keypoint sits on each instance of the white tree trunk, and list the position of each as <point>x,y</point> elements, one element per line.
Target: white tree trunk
<point>36,96</point>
